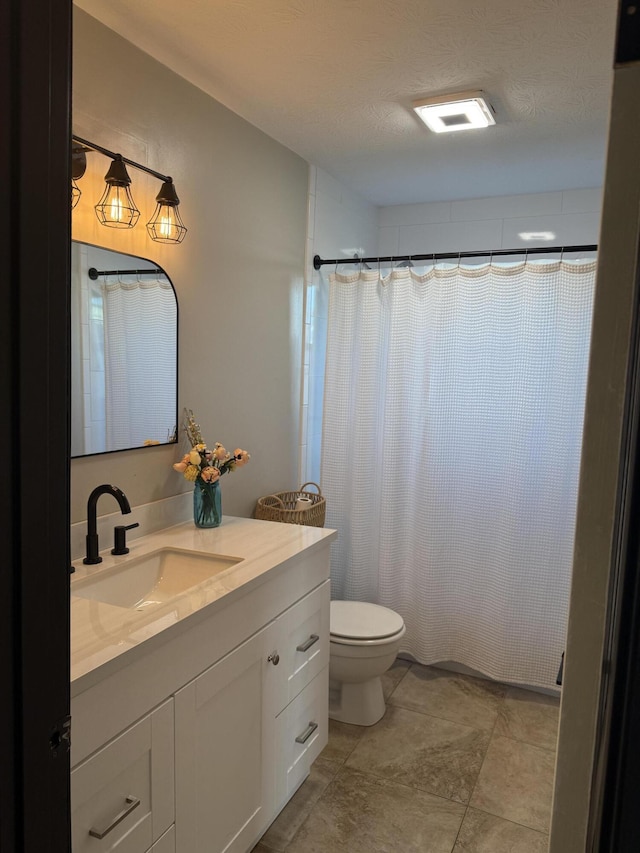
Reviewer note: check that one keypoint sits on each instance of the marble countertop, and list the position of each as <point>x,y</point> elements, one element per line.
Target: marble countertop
<point>101,632</point>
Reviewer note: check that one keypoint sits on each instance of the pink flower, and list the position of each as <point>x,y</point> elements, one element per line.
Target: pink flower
<point>180,467</point>
<point>210,475</point>
<point>219,453</point>
<point>241,457</point>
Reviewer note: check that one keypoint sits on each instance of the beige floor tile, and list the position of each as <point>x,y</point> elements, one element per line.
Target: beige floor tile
<point>529,717</point>
<point>300,805</point>
<point>516,783</point>
<point>485,833</point>
<point>393,676</point>
<point>261,848</point>
<point>472,701</point>
<point>428,753</point>
<point>343,738</point>
<point>361,814</point>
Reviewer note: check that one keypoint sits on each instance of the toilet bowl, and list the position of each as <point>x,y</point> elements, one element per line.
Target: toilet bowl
<point>364,641</point>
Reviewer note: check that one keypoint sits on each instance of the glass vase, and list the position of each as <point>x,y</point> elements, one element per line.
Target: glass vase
<point>207,504</point>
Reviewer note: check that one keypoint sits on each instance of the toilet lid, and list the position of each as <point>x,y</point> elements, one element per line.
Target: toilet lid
<point>359,620</point>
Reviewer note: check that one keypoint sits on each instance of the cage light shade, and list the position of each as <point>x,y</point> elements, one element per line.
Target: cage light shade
<point>166,225</point>
<point>76,192</point>
<point>116,208</point>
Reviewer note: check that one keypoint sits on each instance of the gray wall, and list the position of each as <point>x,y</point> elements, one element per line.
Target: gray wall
<point>238,274</point>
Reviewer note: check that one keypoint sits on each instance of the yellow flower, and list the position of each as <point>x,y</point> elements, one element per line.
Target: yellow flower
<point>201,447</point>
<point>194,457</point>
<point>191,473</point>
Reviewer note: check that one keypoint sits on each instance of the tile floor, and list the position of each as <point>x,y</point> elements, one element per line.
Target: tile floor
<point>456,765</point>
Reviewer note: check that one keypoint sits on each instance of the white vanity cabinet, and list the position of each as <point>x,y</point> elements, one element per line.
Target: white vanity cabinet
<point>242,747</point>
<point>212,726</point>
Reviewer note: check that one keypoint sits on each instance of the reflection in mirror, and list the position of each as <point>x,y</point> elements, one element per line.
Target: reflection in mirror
<point>124,339</point>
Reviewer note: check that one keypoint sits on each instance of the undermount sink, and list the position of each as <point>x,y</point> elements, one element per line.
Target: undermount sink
<point>153,579</point>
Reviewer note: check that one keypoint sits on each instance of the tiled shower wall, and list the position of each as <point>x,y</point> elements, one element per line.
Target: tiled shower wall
<point>572,216</point>
<point>341,224</point>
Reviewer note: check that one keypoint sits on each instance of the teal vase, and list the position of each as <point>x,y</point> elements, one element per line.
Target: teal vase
<point>207,504</point>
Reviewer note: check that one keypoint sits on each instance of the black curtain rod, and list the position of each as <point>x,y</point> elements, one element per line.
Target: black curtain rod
<point>113,155</point>
<point>441,256</point>
<point>94,274</point>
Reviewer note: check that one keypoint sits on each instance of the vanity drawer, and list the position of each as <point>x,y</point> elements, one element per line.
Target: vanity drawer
<point>302,734</point>
<point>124,792</point>
<point>304,647</point>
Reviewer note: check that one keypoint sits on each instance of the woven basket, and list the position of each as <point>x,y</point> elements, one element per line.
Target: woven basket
<point>282,507</point>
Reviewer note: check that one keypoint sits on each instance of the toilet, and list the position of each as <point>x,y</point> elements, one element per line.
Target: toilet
<point>364,641</point>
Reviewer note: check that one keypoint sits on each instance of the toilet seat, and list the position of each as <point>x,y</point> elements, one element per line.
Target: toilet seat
<point>362,623</point>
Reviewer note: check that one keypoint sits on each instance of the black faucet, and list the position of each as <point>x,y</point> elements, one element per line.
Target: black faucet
<point>92,524</point>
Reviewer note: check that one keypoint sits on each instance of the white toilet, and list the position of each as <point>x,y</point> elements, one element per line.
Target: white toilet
<point>365,639</point>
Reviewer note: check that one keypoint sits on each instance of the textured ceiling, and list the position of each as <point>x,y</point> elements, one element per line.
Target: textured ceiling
<point>334,79</point>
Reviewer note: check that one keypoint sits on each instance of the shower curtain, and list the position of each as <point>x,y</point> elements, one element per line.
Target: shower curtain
<point>140,392</point>
<point>452,432</point>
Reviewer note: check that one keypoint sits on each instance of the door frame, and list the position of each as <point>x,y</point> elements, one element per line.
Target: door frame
<point>35,86</point>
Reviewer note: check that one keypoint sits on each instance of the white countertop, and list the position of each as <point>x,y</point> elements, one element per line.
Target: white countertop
<point>100,632</point>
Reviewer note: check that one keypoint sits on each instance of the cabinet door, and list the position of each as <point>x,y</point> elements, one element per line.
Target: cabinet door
<point>225,751</point>
<point>166,844</point>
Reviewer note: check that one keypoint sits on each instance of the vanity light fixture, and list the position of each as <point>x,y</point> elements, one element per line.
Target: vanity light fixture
<point>460,111</point>
<point>116,208</point>
<point>166,226</point>
<point>78,168</point>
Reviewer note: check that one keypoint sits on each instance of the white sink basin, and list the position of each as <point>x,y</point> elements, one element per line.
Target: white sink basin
<point>153,579</point>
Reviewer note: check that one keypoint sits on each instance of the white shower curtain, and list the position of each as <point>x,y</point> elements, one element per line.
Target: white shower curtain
<point>452,433</point>
<point>140,345</point>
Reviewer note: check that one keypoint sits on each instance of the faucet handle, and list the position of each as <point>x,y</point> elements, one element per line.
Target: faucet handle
<point>120,538</point>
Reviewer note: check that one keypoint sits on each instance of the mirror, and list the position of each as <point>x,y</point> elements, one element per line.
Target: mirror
<point>124,352</point>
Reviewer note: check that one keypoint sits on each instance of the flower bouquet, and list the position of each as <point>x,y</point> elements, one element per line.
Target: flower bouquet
<point>203,468</point>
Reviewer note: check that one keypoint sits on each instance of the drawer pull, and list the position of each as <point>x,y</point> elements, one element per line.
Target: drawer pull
<point>306,734</point>
<point>304,647</point>
<point>274,658</point>
<point>132,803</point>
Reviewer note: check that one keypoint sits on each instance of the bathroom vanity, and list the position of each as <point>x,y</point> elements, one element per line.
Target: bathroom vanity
<point>197,711</point>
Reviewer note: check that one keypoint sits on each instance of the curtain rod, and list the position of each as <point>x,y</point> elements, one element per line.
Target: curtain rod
<point>440,256</point>
<point>94,274</point>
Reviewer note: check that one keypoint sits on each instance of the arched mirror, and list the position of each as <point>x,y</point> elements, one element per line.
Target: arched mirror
<point>124,352</point>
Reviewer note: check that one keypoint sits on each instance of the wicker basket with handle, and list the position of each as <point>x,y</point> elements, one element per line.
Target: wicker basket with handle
<point>282,507</point>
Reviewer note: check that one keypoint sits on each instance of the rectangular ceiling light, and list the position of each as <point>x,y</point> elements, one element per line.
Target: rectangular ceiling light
<point>462,111</point>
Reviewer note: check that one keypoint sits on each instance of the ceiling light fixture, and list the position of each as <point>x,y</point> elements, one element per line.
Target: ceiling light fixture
<point>460,111</point>
<point>116,208</point>
<point>537,235</point>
